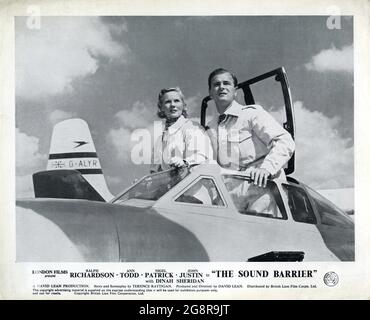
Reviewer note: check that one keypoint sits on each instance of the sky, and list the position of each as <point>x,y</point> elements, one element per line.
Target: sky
<point>109,71</point>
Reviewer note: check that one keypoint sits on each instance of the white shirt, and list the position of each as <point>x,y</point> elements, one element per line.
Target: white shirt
<point>185,139</point>
<point>249,135</point>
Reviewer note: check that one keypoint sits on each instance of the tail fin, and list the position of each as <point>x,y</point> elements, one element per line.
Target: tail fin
<point>72,148</point>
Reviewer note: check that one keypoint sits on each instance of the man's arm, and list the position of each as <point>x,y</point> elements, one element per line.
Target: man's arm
<point>279,142</point>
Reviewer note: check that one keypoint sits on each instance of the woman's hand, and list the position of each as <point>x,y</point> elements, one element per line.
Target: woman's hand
<point>177,162</point>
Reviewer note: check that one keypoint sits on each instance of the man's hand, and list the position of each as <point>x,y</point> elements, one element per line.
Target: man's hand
<point>259,176</point>
<point>177,162</point>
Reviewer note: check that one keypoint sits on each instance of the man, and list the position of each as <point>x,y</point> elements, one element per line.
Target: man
<point>246,137</point>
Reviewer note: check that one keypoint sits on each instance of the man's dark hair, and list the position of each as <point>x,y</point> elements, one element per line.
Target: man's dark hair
<point>220,71</point>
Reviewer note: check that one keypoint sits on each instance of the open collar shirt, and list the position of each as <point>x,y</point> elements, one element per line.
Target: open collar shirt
<point>185,139</point>
<point>249,136</point>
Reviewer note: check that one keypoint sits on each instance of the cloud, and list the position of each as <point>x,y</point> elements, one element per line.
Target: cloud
<point>27,152</point>
<point>28,161</point>
<point>332,59</point>
<point>324,159</point>
<point>140,116</point>
<point>63,49</point>
<point>121,140</point>
<point>60,115</point>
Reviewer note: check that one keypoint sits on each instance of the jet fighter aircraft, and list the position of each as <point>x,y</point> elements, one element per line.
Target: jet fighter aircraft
<point>189,214</point>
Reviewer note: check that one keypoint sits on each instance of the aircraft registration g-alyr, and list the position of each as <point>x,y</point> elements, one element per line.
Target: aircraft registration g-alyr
<point>190,214</point>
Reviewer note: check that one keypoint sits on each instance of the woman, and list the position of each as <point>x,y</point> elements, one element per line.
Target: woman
<point>183,142</point>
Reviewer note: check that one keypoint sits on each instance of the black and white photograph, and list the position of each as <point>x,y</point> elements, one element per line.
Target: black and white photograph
<point>186,138</point>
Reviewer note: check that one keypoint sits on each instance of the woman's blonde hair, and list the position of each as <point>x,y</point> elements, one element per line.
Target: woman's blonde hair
<point>160,113</point>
